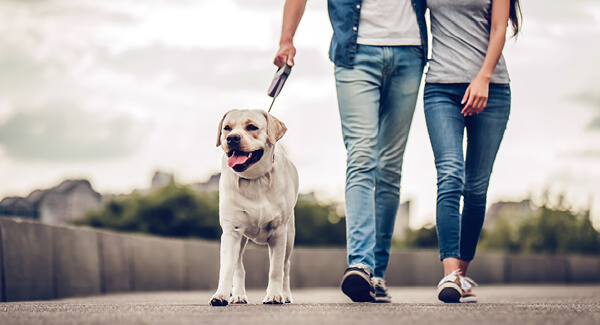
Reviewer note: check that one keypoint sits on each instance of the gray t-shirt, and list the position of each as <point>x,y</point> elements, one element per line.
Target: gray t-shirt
<point>461,34</point>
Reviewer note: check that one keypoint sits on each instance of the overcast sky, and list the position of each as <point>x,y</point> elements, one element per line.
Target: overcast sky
<point>114,90</point>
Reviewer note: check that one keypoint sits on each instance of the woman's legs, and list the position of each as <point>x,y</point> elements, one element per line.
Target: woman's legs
<point>452,264</point>
<point>446,127</point>
<point>458,233</point>
<point>484,135</point>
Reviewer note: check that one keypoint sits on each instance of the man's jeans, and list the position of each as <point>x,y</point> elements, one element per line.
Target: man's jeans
<point>458,233</point>
<point>376,100</point>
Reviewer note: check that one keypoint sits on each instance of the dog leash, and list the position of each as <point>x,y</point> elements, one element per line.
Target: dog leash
<point>278,80</point>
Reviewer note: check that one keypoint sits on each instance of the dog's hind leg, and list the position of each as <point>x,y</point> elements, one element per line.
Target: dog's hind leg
<point>239,278</point>
<point>287,292</point>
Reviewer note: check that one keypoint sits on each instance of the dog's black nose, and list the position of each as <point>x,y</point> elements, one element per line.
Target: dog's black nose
<point>233,139</point>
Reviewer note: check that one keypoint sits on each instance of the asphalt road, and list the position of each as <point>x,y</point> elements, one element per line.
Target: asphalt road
<point>416,305</point>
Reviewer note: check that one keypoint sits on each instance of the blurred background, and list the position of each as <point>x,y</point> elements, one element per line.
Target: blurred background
<point>112,107</point>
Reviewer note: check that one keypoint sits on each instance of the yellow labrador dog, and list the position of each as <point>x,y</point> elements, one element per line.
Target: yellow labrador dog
<point>257,194</point>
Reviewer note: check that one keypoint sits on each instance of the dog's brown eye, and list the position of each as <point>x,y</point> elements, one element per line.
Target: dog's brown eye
<point>251,127</point>
<point>227,128</point>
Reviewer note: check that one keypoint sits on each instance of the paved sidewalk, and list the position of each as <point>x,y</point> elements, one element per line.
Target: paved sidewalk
<point>415,305</point>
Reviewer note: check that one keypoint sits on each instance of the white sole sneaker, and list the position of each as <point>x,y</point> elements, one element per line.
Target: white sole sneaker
<point>468,297</point>
<point>466,284</point>
<point>449,292</point>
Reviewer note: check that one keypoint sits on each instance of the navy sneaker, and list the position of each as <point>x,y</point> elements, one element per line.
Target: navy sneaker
<point>381,293</point>
<point>356,283</point>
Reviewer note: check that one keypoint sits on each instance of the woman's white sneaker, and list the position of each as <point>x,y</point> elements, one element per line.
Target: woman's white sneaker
<point>449,288</point>
<point>467,284</point>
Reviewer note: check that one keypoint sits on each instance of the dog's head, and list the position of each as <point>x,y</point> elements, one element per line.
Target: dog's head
<point>247,136</point>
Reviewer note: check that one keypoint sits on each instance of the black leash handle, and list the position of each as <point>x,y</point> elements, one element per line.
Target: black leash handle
<point>278,81</point>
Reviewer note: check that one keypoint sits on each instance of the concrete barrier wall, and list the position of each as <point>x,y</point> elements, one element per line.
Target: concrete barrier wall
<point>27,265</point>
<point>76,262</point>
<point>116,262</point>
<point>157,263</point>
<point>201,267</point>
<point>39,262</point>
<point>583,269</point>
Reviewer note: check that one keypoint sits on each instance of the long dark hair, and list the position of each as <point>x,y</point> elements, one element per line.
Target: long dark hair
<point>515,16</point>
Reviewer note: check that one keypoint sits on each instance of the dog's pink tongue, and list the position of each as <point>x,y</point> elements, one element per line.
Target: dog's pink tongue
<point>236,160</point>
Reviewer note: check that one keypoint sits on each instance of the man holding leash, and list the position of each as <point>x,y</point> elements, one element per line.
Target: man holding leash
<point>379,48</point>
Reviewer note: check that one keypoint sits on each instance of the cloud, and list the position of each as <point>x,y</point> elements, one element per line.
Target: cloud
<point>558,10</point>
<point>199,68</point>
<point>62,132</point>
<point>592,153</point>
<point>20,72</point>
<point>589,97</point>
<point>580,155</point>
<point>594,125</point>
<point>188,67</point>
<point>261,5</point>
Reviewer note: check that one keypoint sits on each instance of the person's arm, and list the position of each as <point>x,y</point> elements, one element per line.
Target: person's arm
<point>292,14</point>
<point>476,96</point>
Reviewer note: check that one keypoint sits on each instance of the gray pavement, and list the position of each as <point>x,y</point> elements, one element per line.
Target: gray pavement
<point>498,305</point>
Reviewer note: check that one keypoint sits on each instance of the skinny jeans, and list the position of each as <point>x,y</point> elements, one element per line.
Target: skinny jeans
<point>463,176</point>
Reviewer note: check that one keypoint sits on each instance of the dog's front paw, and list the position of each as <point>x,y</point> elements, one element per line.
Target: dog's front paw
<point>287,297</point>
<point>239,299</point>
<point>274,299</point>
<point>219,300</point>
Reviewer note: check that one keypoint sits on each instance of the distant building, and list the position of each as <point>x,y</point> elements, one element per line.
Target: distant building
<point>70,200</point>
<point>309,197</point>
<point>18,207</point>
<point>402,221</point>
<point>161,179</point>
<point>516,211</point>
<point>209,186</point>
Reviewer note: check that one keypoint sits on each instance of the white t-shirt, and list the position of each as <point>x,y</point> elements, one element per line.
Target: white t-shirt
<point>388,23</point>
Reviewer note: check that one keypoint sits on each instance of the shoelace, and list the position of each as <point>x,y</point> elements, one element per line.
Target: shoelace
<point>379,282</point>
<point>361,266</point>
<point>467,283</point>
<point>450,277</point>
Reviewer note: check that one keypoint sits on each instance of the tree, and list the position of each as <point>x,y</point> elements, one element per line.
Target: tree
<point>178,211</point>
<point>319,225</point>
<point>425,237</point>
<point>547,230</point>
<point>172,211</point>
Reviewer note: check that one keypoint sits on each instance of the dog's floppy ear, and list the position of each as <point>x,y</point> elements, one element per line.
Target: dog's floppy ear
<point>275,128</point>
<point>220,128</point>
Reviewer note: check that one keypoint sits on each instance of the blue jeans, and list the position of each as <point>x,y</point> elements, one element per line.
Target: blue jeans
<point>458,177</point>
<point>376,101</point>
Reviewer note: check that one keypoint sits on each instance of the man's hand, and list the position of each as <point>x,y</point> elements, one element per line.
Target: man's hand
<point>286,54</point>
<point>292,13</point>
<point>476,96</point>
